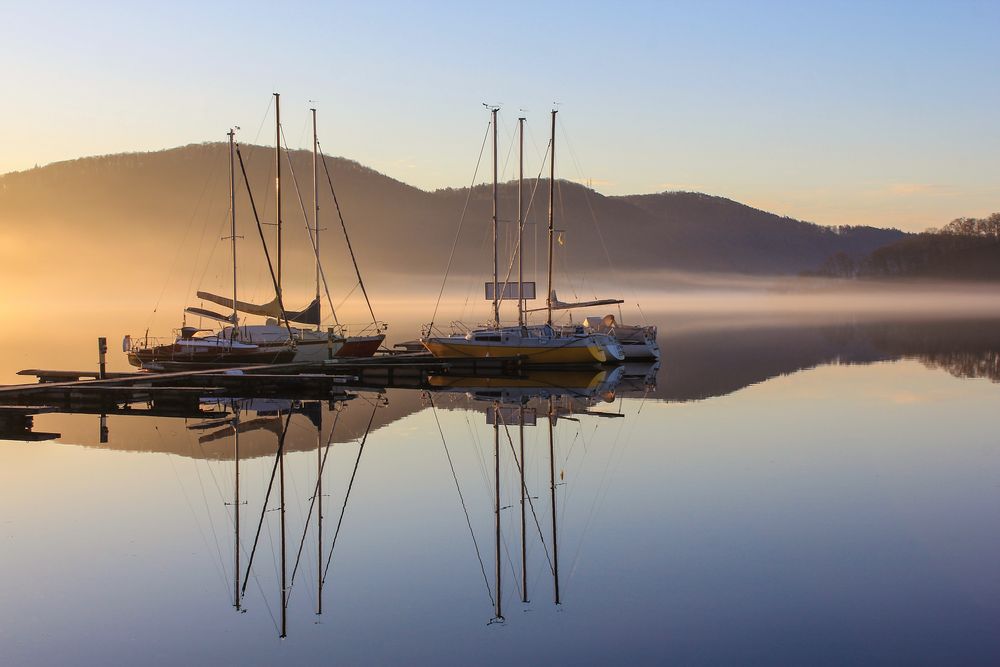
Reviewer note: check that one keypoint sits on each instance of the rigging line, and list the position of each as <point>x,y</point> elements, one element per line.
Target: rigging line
<point>602,489</point>
<point>474,436</point>
<point>260,128</point>
<point>201,240</point>
<point>597,495</point>
<point>208,512</point>
<point>565,255</point>
<point>187,500</point>
<point>180,244</point>
<point>510,149</point>
<point>267,496</point>
<point>527,495</point>
<point>472,286</point>
<point>461,221</point>
<point>480,451</point>
<point>312,503</point>
<point>305,219</point>
<point>267,605</point>
<point>344,300</point>
<point>461,498</point>
<point>347,495</point>
<point>343,225</point>
<point>223,225</point>
<point>267,255</point>
<point>618,278</point>
<point>517,246</point>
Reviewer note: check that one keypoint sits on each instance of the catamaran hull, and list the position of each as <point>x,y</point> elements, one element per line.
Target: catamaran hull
<point>559,351</point>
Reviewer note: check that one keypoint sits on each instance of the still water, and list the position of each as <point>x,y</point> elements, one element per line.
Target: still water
<point>772,494</point>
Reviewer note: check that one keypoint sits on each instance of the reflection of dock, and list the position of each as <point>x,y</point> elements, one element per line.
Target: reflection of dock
<point>16,423</point>
<point>179,390</point>
<point>192,393</point>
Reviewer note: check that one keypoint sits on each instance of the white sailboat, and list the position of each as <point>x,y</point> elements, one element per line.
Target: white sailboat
<point>311,345</point>
<point>216,349</point>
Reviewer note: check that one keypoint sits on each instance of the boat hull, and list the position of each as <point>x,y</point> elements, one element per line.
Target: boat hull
<point>636,350</point>
<point>361,346</point>
<point>557,351</point>
<point>177,357</point>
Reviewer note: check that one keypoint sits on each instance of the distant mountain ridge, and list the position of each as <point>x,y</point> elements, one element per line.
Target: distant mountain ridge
<point>144,198</point>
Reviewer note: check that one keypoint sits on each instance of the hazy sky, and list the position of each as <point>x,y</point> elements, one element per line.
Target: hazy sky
<point>840,113</point>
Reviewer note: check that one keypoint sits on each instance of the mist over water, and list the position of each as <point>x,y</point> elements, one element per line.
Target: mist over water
<point>63,333</point>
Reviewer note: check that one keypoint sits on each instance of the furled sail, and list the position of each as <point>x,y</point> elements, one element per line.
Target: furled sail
<point>211,314</point>
<point>308,315</point>
<point>562,305</point>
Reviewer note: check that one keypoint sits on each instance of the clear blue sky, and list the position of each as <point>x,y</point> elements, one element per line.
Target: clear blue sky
<point>839,113</point>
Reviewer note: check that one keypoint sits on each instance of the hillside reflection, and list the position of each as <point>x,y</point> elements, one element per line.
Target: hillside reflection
<point>489,482</point>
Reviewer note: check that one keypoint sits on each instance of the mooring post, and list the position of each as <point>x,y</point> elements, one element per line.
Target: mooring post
<point>102,350</point>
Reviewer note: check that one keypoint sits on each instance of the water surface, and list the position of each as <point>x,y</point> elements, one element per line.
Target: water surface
<point>780,493</point>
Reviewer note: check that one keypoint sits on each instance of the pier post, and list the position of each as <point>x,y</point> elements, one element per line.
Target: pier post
<point>102,351</point>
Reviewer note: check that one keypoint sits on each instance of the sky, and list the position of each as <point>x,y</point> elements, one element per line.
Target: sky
<point>879,113</point>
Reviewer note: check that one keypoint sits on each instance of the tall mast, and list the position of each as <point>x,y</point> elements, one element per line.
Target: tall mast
<point>319,513</point>
<point>232,221</point>
<point>496,296</point>
<point>277,179</point>
<point>316,210</point>
<point>552,207</point>
<point>524,493</point>
<point>281,490</point>
<point>520,226</point>
<point>552,483</point>
<point>236,503</point>
<point>496,487</point>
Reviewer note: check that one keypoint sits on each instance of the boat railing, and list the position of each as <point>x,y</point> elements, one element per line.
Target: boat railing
<point>369,329</point>
<point>130,343</point>
<point>455,327</point>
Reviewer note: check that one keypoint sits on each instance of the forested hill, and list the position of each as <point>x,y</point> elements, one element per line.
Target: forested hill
<point>145,201</point>
<point>964,249</point>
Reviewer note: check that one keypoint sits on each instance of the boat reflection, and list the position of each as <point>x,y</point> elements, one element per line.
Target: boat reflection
<point>512,406</point>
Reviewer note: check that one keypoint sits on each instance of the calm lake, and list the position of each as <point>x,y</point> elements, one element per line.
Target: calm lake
<point>774,492</point>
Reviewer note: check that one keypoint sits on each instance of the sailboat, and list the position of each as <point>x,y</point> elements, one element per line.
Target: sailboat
<point>216,349</point>
<point>310,344</point>
<point>537,344</point>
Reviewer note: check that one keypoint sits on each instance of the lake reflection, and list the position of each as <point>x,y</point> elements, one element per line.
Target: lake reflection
<point>771,494</point>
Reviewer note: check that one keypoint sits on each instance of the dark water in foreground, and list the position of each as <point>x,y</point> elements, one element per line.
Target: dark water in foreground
<point>772,495</point>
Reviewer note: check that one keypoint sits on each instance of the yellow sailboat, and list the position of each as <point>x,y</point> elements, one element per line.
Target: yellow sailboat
<point>539,344</point>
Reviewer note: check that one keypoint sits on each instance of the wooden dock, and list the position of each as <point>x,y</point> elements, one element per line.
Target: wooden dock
<point>290,380</point>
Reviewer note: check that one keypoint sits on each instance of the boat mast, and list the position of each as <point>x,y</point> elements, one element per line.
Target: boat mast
<point>552,204</point>
<point>277,180</point>
<point>281,490</point>
<point>236,503</point>
<point>552,484</point>
<point>319,510</point>
<point>316,212</point>
<point>520,225</point>
<point>496,296</point>
<point>232,221</point>
<point>496,487</point>
<point>524,493</point>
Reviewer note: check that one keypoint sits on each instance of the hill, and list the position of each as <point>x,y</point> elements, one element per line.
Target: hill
<point>964,249</point>
<point>148,204</point>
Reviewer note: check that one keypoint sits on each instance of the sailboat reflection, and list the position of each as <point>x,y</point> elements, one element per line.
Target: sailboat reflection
<point>276,417</point>
<point>521,403</point>
<point>512,406</point>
